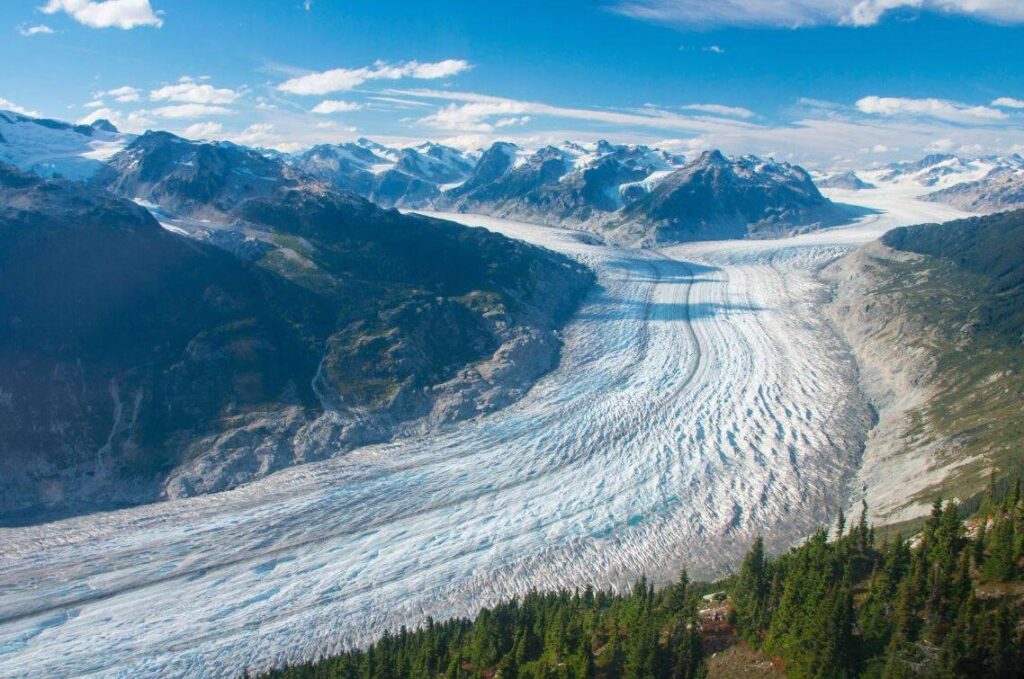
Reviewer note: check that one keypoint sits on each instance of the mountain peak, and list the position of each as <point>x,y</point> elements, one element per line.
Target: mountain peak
<point>104,124</point>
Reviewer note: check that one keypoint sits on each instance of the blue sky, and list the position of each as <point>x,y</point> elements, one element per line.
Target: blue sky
<point>824,82</point>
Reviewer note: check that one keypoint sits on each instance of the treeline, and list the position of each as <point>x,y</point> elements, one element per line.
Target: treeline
<point>851,608</point>
<point>846,607</point>
<point>563,635</point>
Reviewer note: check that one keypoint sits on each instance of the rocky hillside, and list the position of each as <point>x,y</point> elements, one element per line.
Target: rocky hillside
<point>717,197</point>
<point>1001,189</point>
<point>935,318</point>
<point>202,180</point>
<point>158,365</point>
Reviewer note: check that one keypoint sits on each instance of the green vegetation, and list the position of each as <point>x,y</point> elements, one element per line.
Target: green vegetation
<point>944,605</point>
<point>563,635</point>
<point>966,295</point>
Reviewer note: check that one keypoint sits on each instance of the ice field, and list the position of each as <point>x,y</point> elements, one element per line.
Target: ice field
<point>701,399</point>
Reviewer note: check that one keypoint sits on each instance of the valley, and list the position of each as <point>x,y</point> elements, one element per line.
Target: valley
<point>701,398</point>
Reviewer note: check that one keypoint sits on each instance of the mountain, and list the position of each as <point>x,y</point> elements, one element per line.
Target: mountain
<point>1001,189</point>
<point>717,197</point>
<point>845,180</point>
<point>160,365</point>
<point>52,148</point>
<point>935,319</point>
<point>194,179</point>
<point>565,184</point>
<point>389,177</point>
<point>629,193</point>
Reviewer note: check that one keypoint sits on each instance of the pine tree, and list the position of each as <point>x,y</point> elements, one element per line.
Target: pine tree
<point>751,592</point>
<point>1001,561</point>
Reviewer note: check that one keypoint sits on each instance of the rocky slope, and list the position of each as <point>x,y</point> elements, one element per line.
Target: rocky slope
<point>201,180</point>
<point>158,365</point>
<point>1000,189</point>
<point>934,316</point>
<point>716,197</point>
<point>845,180</point>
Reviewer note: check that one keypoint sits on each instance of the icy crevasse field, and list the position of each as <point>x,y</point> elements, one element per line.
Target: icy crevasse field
<point>700,400</point>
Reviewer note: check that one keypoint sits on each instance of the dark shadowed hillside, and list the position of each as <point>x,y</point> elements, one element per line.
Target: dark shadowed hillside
<point>136,363</point>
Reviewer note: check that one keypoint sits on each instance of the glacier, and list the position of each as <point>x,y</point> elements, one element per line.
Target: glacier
<point>701,399</point>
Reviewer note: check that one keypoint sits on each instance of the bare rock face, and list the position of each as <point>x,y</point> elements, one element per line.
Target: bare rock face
<point>161,364</point>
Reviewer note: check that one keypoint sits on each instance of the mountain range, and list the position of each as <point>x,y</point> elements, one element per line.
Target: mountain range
<point>632,194</point>
<point>141,361</point>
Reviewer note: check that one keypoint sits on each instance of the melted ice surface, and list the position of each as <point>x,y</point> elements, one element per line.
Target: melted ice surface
<point>700,400</point>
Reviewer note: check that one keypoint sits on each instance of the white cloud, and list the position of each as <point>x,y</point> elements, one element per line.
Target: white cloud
<point>343,79</point>
<point>8,105</point>
<point>401,102</point>
<point>473,112</point>
<point>718,109</point>
<point>328,106</point>
<point>95,103</point>
<point>257,134</point>
<point>798,13</point>
<point>1008,102</point>
<point>123,94</point>
<point>714,49</point>
<point>941,109</point>
<point>180,111</point>
<point>207,130</point>
<point>944,145</point>
<point>188,91</point>
<point>40,29</point>
<point>509,122</point>
<point>124,14</point>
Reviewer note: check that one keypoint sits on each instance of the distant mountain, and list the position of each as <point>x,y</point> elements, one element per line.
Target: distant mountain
<point>601,187</point>
<point>1001,189</point>
<point>567,184</point>
<point>717,197</point>
<point>195,179</point>
<point>389,177</point>
<point>137,363</point>
<point>845,180</point>
<point>52,148</point>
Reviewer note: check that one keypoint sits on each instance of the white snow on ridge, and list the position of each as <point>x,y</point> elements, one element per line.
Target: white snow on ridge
<point>701,400</point>
<point>49,148</point>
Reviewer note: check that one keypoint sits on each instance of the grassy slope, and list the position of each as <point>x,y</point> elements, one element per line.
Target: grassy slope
<point>967,290</point>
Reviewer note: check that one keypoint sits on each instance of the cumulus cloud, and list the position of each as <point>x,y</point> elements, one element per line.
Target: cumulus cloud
<point>8,105</point>
<point>328,106</point>
<point>798,13</point>
<point>207,130</point>
<point>95,103</point>
<point>122,94</point>
<point>187,91</point>
<point>182,111</point>
<point>941,109</point>
<point>720,110</point>
<point>343,79</point>
<point>257,134</point>
<point>40,29</point>
<point>124,14</point>
<point>1008,102</point>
